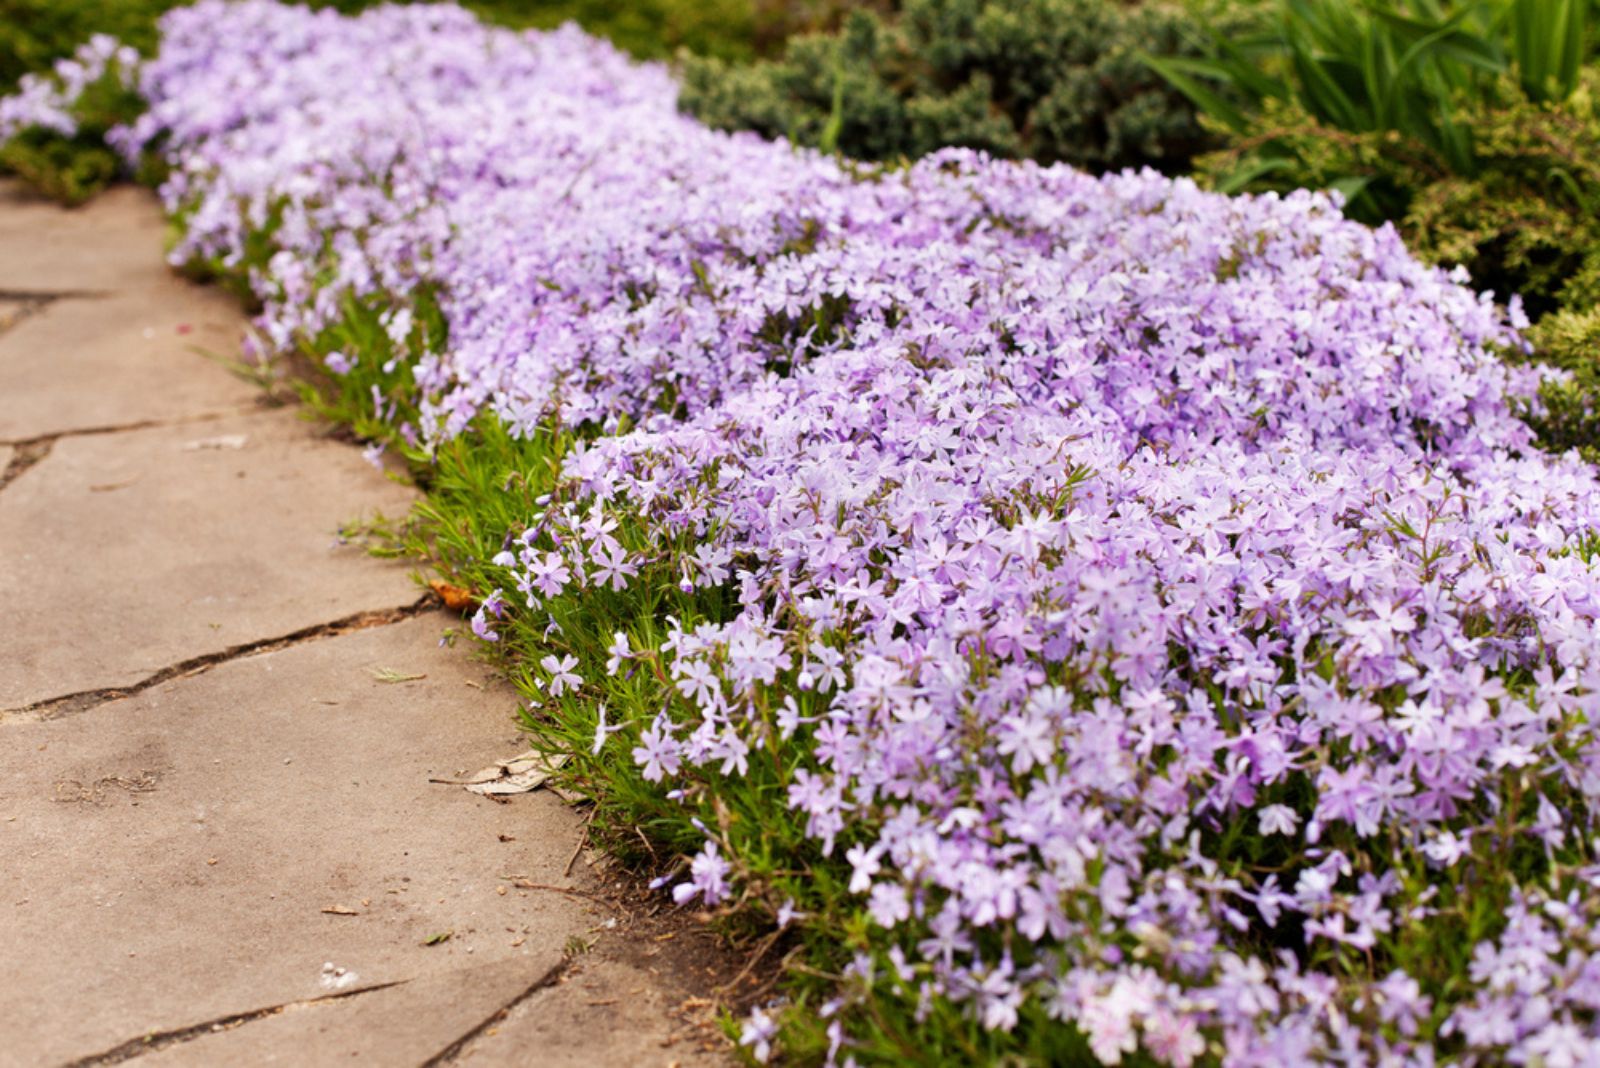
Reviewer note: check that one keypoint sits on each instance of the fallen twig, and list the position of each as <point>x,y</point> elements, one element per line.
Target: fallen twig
<point>525,884</point>
<point>761,951</point>
<point>582,838</point>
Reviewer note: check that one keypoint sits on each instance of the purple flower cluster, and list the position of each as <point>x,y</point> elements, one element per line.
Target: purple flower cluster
<point>1175,619</point>
<point>45,100</point>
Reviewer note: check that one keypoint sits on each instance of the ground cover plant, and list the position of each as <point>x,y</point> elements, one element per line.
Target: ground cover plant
<point>36,33</point>
<point>1083,619</point>
<point>67,158</point>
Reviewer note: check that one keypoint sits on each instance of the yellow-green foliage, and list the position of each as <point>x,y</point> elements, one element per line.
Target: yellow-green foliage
<point>1529,223</point>
<point>1570,338</point>
<point>1053,80</point>
<point>1529,220</point>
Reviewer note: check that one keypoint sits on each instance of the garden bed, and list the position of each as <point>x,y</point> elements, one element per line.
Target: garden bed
<point>1081,618</point>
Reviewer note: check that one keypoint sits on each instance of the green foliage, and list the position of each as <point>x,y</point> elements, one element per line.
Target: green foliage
<point>1053,80</point>
<point>68,170</point>
<point>35,33</point>
<point>1528,220</point>
<point>1421,75</point>
<point>1570,419</point>
<point>649,29</point>
<point>1547,43</point>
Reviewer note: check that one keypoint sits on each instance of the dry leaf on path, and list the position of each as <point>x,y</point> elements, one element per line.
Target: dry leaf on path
<point>340,910</point>
<point>514,775</point>
<point>221,441</point>
<point>391,675</point>
<point>454,597</point>
<point>107,487</point>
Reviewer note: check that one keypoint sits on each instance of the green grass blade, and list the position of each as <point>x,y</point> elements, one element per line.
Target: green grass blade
<point>1177,73</point>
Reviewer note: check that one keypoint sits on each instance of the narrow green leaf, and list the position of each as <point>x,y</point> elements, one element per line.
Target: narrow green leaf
<point>1323,96</point>
<point>1205,99</point>
<point>1351,186</point>
<point>1239,179</point>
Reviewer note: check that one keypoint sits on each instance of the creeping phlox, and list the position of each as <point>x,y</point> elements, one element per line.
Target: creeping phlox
<point>1165,618</point>
<point>44,100</point>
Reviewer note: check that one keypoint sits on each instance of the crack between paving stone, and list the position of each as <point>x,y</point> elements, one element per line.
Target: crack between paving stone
<point>26,308</point>
<point>158,1040</point>
<point>73,703</point>
<point>27,454</point>
<point>45,296</point>
<point>33,302</point>
<point>450,1053</point>
<point>123,428</point>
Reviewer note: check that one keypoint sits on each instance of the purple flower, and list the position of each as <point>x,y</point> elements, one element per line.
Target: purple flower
<point>480,625</point>
<point>562,676</point>
<point>708,878</point>
<point>658,752</point>
<point>610,565</point>
<point>759,1032</point>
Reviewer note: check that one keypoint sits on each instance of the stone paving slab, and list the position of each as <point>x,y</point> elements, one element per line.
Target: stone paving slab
<point>404,1025</point>
<point>138,352</point>
<point>127,553</point>
<point>169,856</point>
<point>113,242</point>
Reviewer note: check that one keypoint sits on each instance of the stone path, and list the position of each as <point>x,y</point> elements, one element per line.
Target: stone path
<point>220,841</point>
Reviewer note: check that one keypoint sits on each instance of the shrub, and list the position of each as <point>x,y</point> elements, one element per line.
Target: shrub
<point>651,29</point>
<point>36,33</point>
<point>1418,75</point>
<point>1051,80</point>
